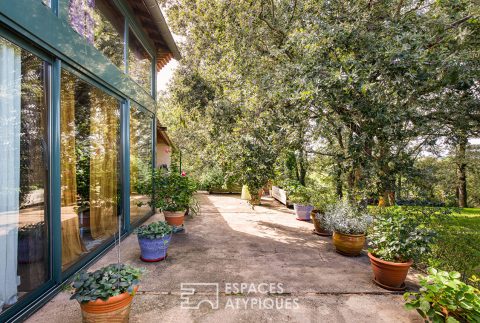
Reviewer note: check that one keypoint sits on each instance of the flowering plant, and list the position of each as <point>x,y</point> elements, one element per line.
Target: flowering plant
<point>172,190</point>
<point>343,217</point>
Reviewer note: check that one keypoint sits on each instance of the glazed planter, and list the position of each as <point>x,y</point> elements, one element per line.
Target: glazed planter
<point>389,275</point>
<point>348,244</point>
<point>318,226</point>
<point>302,211</point>
<point>175,218</point>
<point>153,250</point>
<point>114,309</point>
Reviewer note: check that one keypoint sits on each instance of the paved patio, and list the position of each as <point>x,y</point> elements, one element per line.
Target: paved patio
<point>230,243</point>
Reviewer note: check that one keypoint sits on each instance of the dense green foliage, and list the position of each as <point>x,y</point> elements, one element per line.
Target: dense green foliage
<point>364,88</point>
<point>154,230</point>
<point>172,191</point>
<point>402,234</point>
<point>112,280</point>
<point>444,298</point>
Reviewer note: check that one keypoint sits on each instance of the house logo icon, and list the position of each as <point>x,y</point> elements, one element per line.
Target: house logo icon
<point>193,295</point>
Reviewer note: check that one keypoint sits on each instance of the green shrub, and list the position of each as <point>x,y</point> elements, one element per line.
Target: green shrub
<point>444,298</point>
<point>155,230</point>
<point>112,280</point>
<point>300,195</point>
<point>172,191</point>
<point>400,234</point>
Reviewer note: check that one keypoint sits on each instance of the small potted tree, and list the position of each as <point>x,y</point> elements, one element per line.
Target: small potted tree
<point>105,295</point>
<point>173,193</point>
<point>300,196</point>
<point>397,237</point>
<point>443,297</point>
<point>154,239</point>
<point>349,225</point>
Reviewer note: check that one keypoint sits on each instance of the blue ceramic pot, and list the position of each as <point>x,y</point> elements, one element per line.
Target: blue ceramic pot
<point>153,250</point>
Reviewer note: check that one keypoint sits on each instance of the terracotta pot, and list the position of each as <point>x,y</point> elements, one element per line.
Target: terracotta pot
<point>256,199</point>
<point>389,274</point>
<point>318,226</point>
<point>114,309</point>
<point>348,244</point>
<point>174,217</point>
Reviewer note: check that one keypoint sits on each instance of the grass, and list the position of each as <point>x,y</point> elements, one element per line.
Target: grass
<point>475,212</point>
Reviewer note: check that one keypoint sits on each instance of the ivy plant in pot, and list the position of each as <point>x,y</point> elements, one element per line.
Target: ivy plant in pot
<point>173,194</point>
<point>106,294</point>
<point>300,197</point>
<point>443,297</point>
<point>154,239</point>
<point>349,225</point>
<point>397,237</point>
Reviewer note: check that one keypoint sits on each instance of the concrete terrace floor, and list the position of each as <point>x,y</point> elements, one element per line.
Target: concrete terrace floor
<point>231,243</point>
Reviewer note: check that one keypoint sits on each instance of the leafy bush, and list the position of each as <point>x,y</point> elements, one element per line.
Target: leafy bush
<point>112,280</point>
<point>172,191</point>
<point>300,195</point>
<point>444,298</point>
<point>345,218</point>
<point>212,178</point>
<point>155,230</point>
<point>400,234</point>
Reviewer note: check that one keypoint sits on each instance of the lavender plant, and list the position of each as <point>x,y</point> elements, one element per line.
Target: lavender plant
<point>343,217</point>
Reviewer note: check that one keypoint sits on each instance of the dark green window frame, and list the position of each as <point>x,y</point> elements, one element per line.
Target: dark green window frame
<point>31,38</point>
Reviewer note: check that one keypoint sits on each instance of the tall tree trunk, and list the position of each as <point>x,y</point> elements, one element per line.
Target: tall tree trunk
<point>302,171</point>
<point>338,181</point>
<point>461,161</point>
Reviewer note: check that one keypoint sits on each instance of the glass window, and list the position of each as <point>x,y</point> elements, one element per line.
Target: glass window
<point>140,163</point>
<point>139,62</point>
<point>89,155</point>
<point>100,22</point>
<point>24,242</point>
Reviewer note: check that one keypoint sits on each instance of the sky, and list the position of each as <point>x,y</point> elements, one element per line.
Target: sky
<point>165,75</point>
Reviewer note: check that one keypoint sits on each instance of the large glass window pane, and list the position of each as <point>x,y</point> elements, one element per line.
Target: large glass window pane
<point>100,22</point>
<point>90,131</point>
<point>140,162</point>
<point>139,62</point>
<point>24,242</point>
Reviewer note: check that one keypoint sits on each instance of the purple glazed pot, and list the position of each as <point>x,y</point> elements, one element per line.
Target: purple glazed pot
<point>153,250</point>
<point>302,211</point>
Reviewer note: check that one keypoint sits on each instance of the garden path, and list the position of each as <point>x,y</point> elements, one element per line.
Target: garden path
<point>230,243</point>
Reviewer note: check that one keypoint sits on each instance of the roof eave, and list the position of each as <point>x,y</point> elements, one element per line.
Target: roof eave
<point>159,20</point>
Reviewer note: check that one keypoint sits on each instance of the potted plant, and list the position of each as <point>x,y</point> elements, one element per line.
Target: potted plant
<point>320,204</point>
<point>173,193</point>
<point>105,295</point>
<point>154,239</point>
<point>349,225</point>
<point>300,197</point>
<point>443,297</point>
<point>397,237</point>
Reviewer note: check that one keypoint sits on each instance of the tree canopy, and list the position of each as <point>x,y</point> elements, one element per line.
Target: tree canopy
<point>269,89</point>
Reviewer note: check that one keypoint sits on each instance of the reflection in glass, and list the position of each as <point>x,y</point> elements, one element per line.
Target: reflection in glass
<point>140,163</point>
<point>24,257</point>
<point>139,62</point>
<point>89,125</point>
<point>100,22</point>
